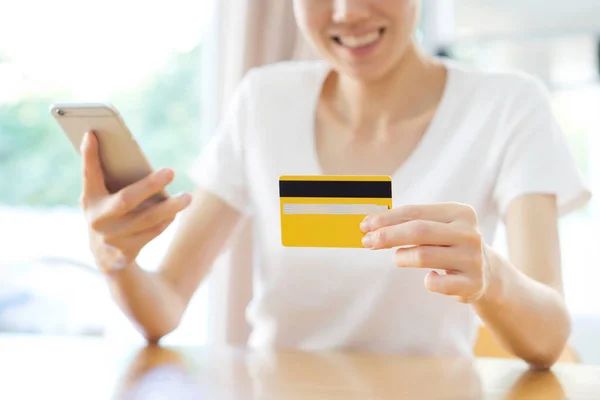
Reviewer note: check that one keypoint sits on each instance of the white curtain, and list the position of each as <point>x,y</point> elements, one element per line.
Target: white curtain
<point>246,34</point>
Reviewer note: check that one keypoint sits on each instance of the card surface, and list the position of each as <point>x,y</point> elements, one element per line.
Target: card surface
<point>326,211</point>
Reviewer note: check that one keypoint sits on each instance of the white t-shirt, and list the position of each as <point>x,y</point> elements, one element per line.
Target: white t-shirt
<point>493,138</point>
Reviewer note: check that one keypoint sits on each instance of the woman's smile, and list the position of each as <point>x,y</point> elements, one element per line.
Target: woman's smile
<point>359,45</point>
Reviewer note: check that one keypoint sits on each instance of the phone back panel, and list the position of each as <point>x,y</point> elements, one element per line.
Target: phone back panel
<point>122,159</point>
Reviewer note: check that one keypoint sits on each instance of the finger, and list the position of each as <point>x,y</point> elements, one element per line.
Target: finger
<point>439,212</point>
<point>421,232</point>
<point>93,176</point>
<point>130,197</point>
<point>432,257</point>
<point>159,214</point>
<point>459,285</point>
<point>146,236</point>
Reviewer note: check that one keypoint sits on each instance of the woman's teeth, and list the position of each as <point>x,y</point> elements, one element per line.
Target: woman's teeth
<point>359,41</point>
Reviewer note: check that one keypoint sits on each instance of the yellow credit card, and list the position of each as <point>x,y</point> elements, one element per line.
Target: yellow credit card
<point>326,211</point>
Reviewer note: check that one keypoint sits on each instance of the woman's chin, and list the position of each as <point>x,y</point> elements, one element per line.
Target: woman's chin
<point>373,67</point>
<point>365,73</point>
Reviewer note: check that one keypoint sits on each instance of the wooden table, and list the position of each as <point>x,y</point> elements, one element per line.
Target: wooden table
<point>67,368</point>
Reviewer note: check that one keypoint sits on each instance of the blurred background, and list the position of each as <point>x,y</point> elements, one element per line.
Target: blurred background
<point>161,67</point>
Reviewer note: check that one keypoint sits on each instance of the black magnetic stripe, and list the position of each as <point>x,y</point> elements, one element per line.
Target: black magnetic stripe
<point>354,189</point>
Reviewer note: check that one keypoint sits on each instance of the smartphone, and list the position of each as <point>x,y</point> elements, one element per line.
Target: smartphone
<point>122,159</point>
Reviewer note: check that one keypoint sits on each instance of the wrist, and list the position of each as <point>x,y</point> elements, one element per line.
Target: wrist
<point>112,260</point>
<point>498,272</point>
<point>121,270</point>
<point>115,270</point>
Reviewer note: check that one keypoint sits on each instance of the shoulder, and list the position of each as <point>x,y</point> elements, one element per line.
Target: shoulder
<point>278,96</point>
<point>280,93</point>
<point>506,89</point>
<point>285,78</point>
<point>505,81</point>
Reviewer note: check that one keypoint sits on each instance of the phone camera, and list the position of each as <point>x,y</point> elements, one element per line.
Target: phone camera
<point>60,112</point>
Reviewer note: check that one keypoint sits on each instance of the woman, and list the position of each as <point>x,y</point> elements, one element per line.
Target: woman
<point>464,148</point>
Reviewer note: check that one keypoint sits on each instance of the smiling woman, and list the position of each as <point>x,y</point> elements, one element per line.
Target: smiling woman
<point>465,150</point>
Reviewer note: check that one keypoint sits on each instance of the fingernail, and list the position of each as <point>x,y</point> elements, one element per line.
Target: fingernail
<point>185,199</point>
<point>165,173</point>
<point>85,141</point>
<point>367,240</point>
<point>364,225</point>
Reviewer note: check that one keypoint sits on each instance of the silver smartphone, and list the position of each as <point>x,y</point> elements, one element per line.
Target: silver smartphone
<point>122,159</point>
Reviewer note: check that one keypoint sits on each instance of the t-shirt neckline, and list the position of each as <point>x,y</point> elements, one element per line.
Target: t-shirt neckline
<point>430,139</point>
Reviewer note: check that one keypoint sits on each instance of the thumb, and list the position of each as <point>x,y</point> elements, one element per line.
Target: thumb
<point>93,176</point>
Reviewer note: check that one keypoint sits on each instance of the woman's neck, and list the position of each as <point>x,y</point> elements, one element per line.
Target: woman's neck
<point>413,87</point>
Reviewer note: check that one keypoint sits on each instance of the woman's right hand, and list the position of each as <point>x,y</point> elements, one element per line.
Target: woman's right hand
<point>118,228</point>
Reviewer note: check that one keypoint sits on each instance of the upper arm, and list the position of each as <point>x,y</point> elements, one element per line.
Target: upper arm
<point>538,180</point>
<point>204,229</point>
<point>533,238</point>
<point>220,172</point>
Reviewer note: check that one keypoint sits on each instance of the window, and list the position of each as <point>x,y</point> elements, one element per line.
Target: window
<point>143,57</point>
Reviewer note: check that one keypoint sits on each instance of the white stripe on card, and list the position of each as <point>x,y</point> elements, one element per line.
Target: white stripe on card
<point>341,209</point>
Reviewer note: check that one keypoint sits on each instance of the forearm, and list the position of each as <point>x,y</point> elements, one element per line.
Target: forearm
<point>529,318</point>
<point>151,304</point>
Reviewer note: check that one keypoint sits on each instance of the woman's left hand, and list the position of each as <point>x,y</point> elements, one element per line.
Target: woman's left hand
<point>441,236</point>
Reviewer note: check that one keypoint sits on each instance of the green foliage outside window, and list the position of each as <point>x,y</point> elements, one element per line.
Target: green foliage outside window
<point>39,167</point>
